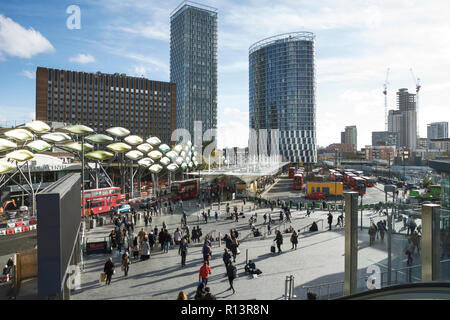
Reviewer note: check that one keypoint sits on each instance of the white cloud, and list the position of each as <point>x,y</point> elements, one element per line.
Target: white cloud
<point>28,74</point>
<point>82,58</point>
<point>16,41</point>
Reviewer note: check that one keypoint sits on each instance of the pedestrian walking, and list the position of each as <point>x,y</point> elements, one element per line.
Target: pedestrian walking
<point>294,240</point>
<point>204,273</point>
<point>234,247</point>
<point>330,220</point>
<point>231,274</point>
<point>226,257</point>
<point>109,270</point>
<point>206,251</point>
<point>145,249</point>
<point>125,262</point>
<point>183,251</point>
<point>279,240</point>
<point>216,215</point>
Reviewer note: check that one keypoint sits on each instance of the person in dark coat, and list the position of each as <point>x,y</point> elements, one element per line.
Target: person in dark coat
<point>330,220</point>
<point>109,270</point>
<point>294,240</point>
<point>231,274</point>
<point>183,251</point>
<point>279,240</point>
<point>226,257</point>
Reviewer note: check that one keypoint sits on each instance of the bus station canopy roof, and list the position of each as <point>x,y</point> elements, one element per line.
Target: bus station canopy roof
<point>246,173</point>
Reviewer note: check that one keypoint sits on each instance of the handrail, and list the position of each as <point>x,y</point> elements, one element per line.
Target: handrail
<point>408,279</point>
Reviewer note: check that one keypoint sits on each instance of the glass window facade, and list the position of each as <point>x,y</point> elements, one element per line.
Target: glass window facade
<point>282,92</point>
<point>193,65</point>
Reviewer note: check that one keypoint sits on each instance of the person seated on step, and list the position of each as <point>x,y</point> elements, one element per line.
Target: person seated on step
<point>250,267</point>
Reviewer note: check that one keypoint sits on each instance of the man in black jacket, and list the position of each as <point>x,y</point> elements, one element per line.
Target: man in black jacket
<point>226,257</point>
<point>279,240</point>
<point>183,251</point>
<point>109,270</point>
<point>231,274</point>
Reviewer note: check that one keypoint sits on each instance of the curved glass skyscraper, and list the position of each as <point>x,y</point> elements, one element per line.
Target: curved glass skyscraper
<point>282,92</point>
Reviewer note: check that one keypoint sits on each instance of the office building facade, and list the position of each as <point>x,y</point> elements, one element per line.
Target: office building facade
<point>436,130</point>
<point>349,139</point>
<point>101,101</point>
<point>404,120</point>
<point>282,93</point>
<point>384,138</point>
<point>193,64</point>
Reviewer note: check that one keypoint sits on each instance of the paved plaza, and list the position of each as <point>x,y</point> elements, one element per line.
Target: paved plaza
<point>319,259</point>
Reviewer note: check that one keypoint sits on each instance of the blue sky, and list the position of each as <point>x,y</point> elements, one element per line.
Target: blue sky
<point>356,41</point>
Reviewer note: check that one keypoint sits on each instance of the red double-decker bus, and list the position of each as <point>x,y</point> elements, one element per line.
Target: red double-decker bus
<point>298,181</point>
<point>185,189</point>
<point>357,184</point>
<point>370,181</point>
<point>291,172</point>
<point>102,200</point>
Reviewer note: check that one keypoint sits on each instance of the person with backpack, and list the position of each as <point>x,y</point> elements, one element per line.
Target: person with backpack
<point>231,274</point>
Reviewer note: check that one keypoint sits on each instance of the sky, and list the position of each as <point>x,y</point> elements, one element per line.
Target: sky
<point>356,42</point>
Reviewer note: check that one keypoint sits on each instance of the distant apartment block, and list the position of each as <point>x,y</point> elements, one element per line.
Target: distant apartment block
<point>384,138</point>
<point>100,101</point>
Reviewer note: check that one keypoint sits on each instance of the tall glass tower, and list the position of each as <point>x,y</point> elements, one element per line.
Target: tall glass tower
<point>282,92</point>
<point>193,64</point>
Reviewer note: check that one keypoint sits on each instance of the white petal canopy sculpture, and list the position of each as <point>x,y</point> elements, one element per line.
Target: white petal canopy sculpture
<point>79,129</point>
<point>99,155</point>
<point>172,155</point>
<point>19,134</point>
<point>99,138</point>
<point>178,148</point>
<point>76,146</point>
<point>154,141</point>
<point>133,140</point>
<point>38,126</point>
<point>164,148</point>
<point>155,154</point>
<point>118,132</point>
<point>184,166</point>
<point>164,161</point>
<point>39,146</point>
<point>118,147</point>
<point>146,162</point>
<point>134,155</point>
<point>20,155</point>
<point>190,164</point>
<point>145,147</point>
<point>156,168</point>
<point>56,137</point>
<point>6,145</point>
<point>183,154</point>
<point>179,161</point>
<point>172,167</point>
<point>6,167</point>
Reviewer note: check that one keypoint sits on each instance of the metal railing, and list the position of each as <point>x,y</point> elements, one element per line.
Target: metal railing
<point>401,276</point>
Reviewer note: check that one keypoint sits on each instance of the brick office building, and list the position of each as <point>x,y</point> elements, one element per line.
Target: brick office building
<point>100,101</point>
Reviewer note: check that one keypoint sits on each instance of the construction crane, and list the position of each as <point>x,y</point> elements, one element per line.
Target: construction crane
<point>418,86</point>
<point>386,83</point>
